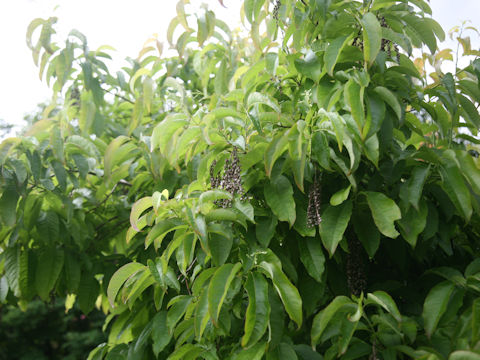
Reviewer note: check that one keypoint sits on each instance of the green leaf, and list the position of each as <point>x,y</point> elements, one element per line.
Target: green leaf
<point>217,290</point>
<point>354,99</point>
<point>435,305</point>
<point>275,149</point>
<point>312,257</point>
<point>220,247</point>
<point>464,355</point>
<point>322,319</point>
<point>413,223</point>
<point>469,169</point>
<point>334,223</point>
<point>288,293</point>
<point>258,310</point>
<point>88,291</point>
<point>60,174</point>
<point>8,205</point>
<point>457,190</point>
<point>176,310</point>
<point>283,351</point>
<point>12,268</point>
<point>340,196</point>
<point>49,265</point>
<point>256,98</point>
<point>265,229</point>
<point>385,301</point>
<point>415,185</point>
<point>254,353</point>
<point>119,278</point>
<point>137,209</point>
<point>372,37</point>
<point>366,230</point>
<point>201,315</point>
<point>385,212</point>
<point>311,66</point>
<point>333,52</point>
<point>390,98</point>
<point>298,153</point>
<point>110,154</point>
<point>279,196</point>
<point>213,195</point>
<point>163,132</point>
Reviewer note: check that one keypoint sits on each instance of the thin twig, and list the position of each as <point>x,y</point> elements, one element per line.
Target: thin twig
<point>119,96</point>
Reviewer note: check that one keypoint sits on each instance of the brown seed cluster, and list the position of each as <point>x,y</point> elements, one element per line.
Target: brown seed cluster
<point>386,45</point>
<point>314,201</point>
<point>276,8</point>
<point>231,180</point>
<point>356,278</point>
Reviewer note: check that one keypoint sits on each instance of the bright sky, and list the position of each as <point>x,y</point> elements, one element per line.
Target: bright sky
<point>125,25</point>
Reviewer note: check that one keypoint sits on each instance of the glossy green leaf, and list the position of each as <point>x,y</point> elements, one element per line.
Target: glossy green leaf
<point>275,149</point>
<point>119,278</point>
<point>288,293</point>
<point>163,132</point>
<point>218,288</point>
<point>220,247</point>
<point>354,99</point>
<point>366,230</point>
<point>258,310</point>
<point>254,353</point>
<point>310,67</point>
<point>8,206</point>
<point>335,220</point>
<point>340,196</point>
<point>312,257</point>
<point>49,266</point>
<point>201,315</point>
<point>457,190</point>
<point>464,355</point>
<point>279,196</point>
<point>413,222</point>
<point>138,208</point>
<point>390,98</point>
<point>333,52</point>
<point>435,305</point>
<point>372,37</point>
<point>322,319</point>
<point>385,212</point>
<point>385,301</point>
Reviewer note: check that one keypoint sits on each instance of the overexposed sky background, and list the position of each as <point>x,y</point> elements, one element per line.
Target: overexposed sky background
<point>125,25</point>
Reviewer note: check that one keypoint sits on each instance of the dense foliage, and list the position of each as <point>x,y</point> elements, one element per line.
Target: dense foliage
<point>43,331</point>
<point>306,191</point>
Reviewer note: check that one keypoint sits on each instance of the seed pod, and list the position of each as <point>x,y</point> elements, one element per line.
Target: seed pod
<point>231,180</point>
<point>314,202</point>
<point>356,278</point>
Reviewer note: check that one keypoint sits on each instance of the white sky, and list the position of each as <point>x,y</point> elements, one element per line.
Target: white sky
<point>125,25</point>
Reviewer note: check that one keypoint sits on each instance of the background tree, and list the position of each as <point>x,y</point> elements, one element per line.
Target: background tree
<point>300,192</point>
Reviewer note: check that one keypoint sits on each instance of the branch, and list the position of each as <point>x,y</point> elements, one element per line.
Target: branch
<point>119,96</point>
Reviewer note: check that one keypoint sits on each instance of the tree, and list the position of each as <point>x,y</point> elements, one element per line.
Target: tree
<point>302,192</point>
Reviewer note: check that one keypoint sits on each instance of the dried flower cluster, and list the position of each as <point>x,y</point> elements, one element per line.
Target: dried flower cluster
<point>230,181</point>
<point>276,8</point>
<point>386,45</point>
<point>356,278</point>
<point>313,211</point>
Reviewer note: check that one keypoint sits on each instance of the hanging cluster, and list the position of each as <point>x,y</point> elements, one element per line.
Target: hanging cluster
<point>313,211</point>
<point>230,181</point>
<point>387,44</point>
<point>276,8</point>
<point>356,278</point>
